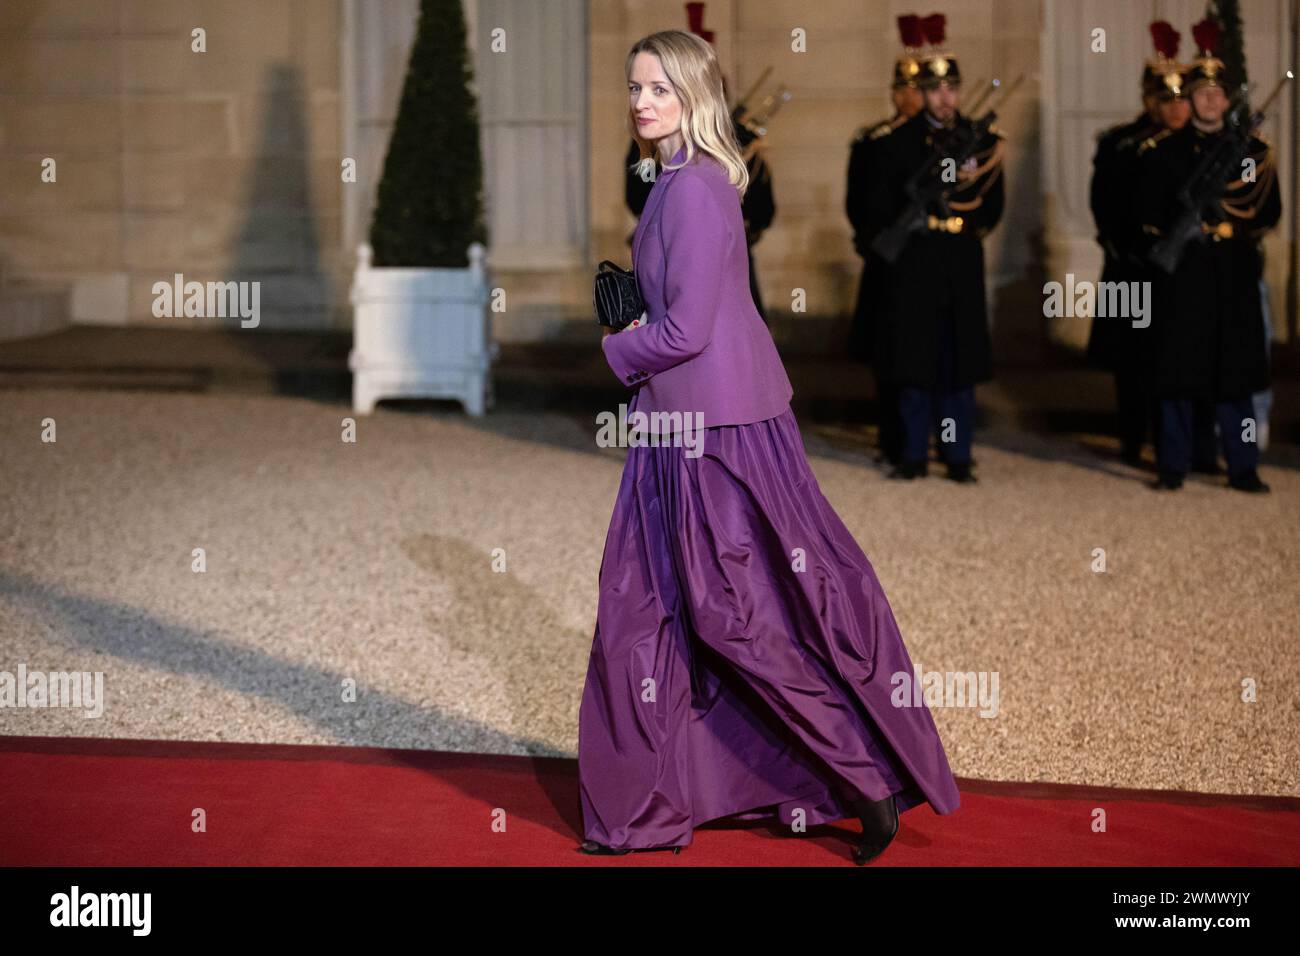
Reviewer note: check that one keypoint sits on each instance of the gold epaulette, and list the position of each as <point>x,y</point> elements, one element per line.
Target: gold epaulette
<point>1151,142</point>
<point>882,129</point>
<point>869,131</point>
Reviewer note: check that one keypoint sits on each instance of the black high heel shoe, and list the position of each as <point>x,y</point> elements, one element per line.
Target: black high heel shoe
<point>879,827</point>
<point>600,849</point>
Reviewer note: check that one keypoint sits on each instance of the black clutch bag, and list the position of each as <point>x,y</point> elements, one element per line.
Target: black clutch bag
<point>616,296</point>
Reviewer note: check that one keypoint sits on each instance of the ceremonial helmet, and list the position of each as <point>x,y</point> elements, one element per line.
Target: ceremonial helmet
<point>1206,69</point>
<point>908,66</point>
<point>937,65</point>
<point>1163,76</point>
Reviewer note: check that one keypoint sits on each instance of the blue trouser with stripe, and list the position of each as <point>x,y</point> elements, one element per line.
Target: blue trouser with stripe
<point>924,409</point>
<point>1177,435</point>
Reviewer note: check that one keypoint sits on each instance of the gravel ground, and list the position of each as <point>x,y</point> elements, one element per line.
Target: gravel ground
<point>332,565</point>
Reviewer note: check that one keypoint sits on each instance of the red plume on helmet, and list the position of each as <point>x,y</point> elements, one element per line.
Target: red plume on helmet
<point>1165,38</point>
<point>934,27</point>
<point>909,28</point>
<point>1206,34</point>
<point>695,19</point>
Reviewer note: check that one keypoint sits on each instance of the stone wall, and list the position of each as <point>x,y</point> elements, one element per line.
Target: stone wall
<point>219,165</point>
<point>224,164</point>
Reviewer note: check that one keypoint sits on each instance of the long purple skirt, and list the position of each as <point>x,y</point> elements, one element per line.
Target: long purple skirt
<point>744,655</point>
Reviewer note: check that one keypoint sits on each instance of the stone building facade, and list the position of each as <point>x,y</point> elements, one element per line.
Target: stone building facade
<point>226,163</point>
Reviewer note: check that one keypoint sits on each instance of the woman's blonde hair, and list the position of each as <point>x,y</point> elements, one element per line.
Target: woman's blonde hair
<point>692,68</point>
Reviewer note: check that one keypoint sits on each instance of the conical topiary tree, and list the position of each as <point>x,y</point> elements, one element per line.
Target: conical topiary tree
<point>429,205</point>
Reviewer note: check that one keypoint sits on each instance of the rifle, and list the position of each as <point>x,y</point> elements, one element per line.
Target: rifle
<point>925,186</point>
<point>751,124</point>
<point>1200,194</point>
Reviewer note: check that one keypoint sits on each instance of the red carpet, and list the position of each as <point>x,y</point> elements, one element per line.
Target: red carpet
<point>93,802</point>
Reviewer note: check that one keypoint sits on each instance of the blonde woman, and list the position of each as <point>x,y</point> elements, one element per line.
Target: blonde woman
<point>744,652</point>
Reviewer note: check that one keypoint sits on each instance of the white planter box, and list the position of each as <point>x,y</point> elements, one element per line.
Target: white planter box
<point>421,333</point>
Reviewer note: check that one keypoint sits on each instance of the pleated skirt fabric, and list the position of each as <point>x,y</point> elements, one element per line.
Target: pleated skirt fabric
<point>745,656</point>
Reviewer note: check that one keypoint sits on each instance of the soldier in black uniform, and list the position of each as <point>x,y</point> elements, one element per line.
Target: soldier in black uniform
<point>1113,344</point>
<point>757,206</point>
<point>908,101</point>
<point>932,339</point>
<point>1207,325</point>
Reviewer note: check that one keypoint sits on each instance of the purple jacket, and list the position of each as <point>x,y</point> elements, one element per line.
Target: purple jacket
<point>704,347</point>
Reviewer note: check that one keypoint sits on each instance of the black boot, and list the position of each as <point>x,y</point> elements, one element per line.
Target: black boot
<point>1168,481</point>
<point>911,469</point>
<point>879,827</point>
<point>1248,481</point>
<point>960,472</point>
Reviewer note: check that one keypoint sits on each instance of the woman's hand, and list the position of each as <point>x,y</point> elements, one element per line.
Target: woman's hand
<point>634,324</point>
